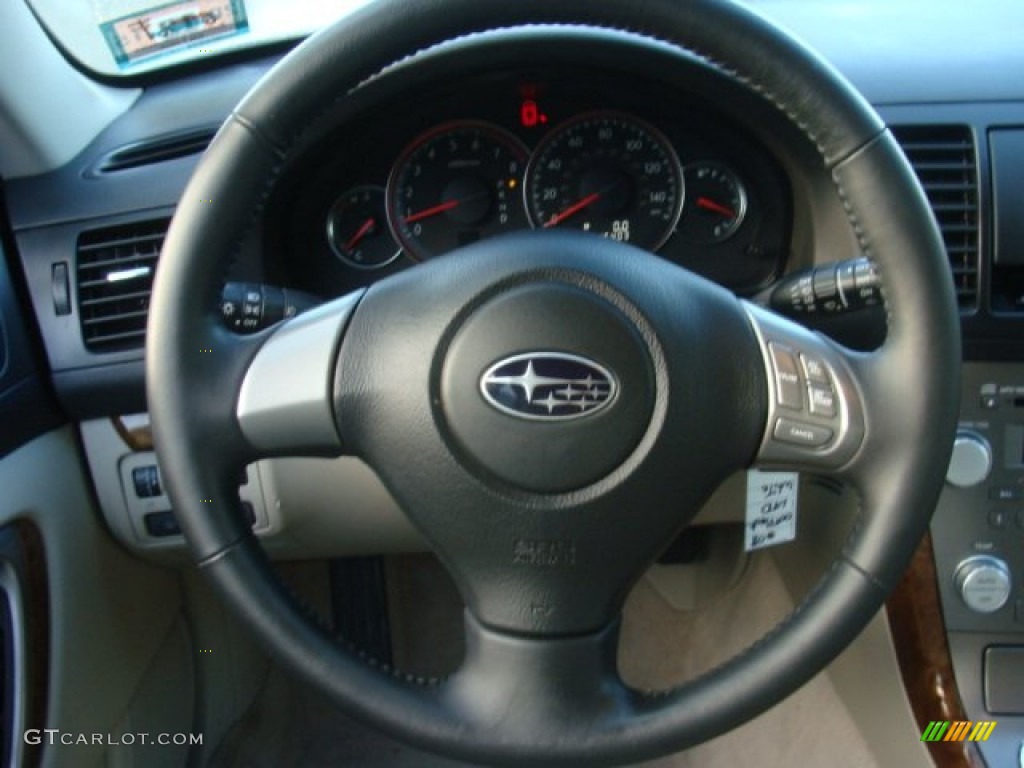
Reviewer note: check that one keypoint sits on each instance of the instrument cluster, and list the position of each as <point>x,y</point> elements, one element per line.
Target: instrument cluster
<point>638,166</point>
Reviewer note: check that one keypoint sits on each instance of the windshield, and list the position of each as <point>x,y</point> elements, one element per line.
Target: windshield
<point>128,37</point>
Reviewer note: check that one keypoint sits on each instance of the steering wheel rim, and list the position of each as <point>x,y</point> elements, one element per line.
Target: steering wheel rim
<point>193,417</point>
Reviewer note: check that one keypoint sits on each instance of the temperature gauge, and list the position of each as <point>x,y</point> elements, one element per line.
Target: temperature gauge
<point>357,228</point>
<point>716,203</point>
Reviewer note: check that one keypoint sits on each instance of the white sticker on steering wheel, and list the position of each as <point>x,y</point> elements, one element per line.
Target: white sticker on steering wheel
<point>771,508</point>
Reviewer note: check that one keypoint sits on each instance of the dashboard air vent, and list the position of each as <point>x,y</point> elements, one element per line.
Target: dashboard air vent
<point>114,279</point>
<point>944,159</point>
<point>157,150</point>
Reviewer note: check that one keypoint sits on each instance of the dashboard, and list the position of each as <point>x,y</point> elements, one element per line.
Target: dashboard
<point>518,150</point>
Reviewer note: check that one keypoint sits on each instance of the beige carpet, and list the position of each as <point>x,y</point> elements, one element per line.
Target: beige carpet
<point>660,646</point>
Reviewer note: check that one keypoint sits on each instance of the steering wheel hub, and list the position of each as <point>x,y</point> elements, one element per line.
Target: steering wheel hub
<point>547,387</point>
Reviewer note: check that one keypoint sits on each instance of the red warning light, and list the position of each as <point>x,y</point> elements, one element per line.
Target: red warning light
<point>530,115</point>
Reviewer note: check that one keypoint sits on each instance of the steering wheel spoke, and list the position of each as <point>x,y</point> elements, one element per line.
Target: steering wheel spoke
<point>285,403</point>
<point>537,686</point>
<point>816,407</point>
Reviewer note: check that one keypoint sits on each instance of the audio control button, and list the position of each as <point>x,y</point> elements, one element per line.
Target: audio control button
<point>789,393</point>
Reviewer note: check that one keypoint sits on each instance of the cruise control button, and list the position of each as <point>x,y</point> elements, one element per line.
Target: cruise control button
<point>787,377</point>
<point>798,433</point>
<point>823,401</point>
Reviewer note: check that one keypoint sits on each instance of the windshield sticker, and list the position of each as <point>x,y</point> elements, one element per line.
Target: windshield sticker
<point>771,508</point>
<point>171,27</point>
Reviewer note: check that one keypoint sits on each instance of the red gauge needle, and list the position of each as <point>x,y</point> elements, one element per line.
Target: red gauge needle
<point>710,205</point>
<point>576,207</point>
<point>367,227</point>
<point>447,205</point>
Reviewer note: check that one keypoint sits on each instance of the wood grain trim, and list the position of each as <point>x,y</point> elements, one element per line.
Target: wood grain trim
<point>919,634</point>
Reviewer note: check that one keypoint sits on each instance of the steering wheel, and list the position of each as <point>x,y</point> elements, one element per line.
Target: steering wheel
<point>546,514</point>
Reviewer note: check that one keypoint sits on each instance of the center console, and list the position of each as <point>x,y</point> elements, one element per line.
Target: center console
<point>978,537</point>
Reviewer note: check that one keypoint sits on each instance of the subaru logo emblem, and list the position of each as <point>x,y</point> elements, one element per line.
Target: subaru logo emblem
<point>548,386</point>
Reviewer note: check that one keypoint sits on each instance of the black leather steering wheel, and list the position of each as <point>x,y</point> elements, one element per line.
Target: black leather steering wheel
<point>546,523</point>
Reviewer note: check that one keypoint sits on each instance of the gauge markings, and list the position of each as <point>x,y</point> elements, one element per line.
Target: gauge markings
<point>720,203</point>
<point>357,229</point>
<point>433,210</point>
<point>608,173</point>
<point>455,185</point>
<point>575,208</point>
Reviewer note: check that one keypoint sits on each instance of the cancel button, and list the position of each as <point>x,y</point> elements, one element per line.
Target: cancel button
<point>799,433</point>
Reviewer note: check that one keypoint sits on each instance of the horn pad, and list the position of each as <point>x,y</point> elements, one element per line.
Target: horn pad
<point>547,387</point>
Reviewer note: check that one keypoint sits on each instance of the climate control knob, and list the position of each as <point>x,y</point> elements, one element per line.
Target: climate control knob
<point>971,460</point>
<point>983,582</point>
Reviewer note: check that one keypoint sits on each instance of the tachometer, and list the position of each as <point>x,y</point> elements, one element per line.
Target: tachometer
<point>454,185</point>
<point>607,173</point>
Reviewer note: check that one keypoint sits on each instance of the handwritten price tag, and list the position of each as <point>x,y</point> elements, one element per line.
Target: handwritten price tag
<point>771,508</point>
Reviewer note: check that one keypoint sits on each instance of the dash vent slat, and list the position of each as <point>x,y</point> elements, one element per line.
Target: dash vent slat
<point>115,268</point>
<point>944,158</point>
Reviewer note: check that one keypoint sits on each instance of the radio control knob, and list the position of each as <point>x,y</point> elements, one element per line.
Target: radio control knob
<point>971,461</point>
<point>983,582</point>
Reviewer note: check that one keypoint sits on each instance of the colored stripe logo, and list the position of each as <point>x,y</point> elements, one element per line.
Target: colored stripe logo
<point>959,730</point>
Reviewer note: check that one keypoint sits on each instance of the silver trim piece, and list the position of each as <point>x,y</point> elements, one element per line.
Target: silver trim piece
<point>285,404</point>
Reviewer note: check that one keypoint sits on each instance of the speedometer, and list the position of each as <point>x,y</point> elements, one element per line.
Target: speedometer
<point>607,173</point>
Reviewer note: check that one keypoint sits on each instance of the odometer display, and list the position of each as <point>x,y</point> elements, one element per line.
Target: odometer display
<point>607,173</point>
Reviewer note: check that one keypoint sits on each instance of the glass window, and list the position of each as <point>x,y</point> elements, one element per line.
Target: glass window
<point>128,37</point>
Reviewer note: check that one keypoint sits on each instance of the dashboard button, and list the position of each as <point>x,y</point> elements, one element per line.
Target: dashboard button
<point>998,518</point>
<point>988,396</point>
<point>146,481</point>
<point>787,377</point>
<point>1006,493</point>
<point>798,433</point>
<point>971,461</point>
<point>161,524</point>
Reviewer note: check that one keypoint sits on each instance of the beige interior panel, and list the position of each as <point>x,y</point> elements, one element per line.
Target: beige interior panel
<point>110,613</point>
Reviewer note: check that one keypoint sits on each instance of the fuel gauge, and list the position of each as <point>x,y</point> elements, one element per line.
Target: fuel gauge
<point>716,203</point>
<point>357,228</point>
